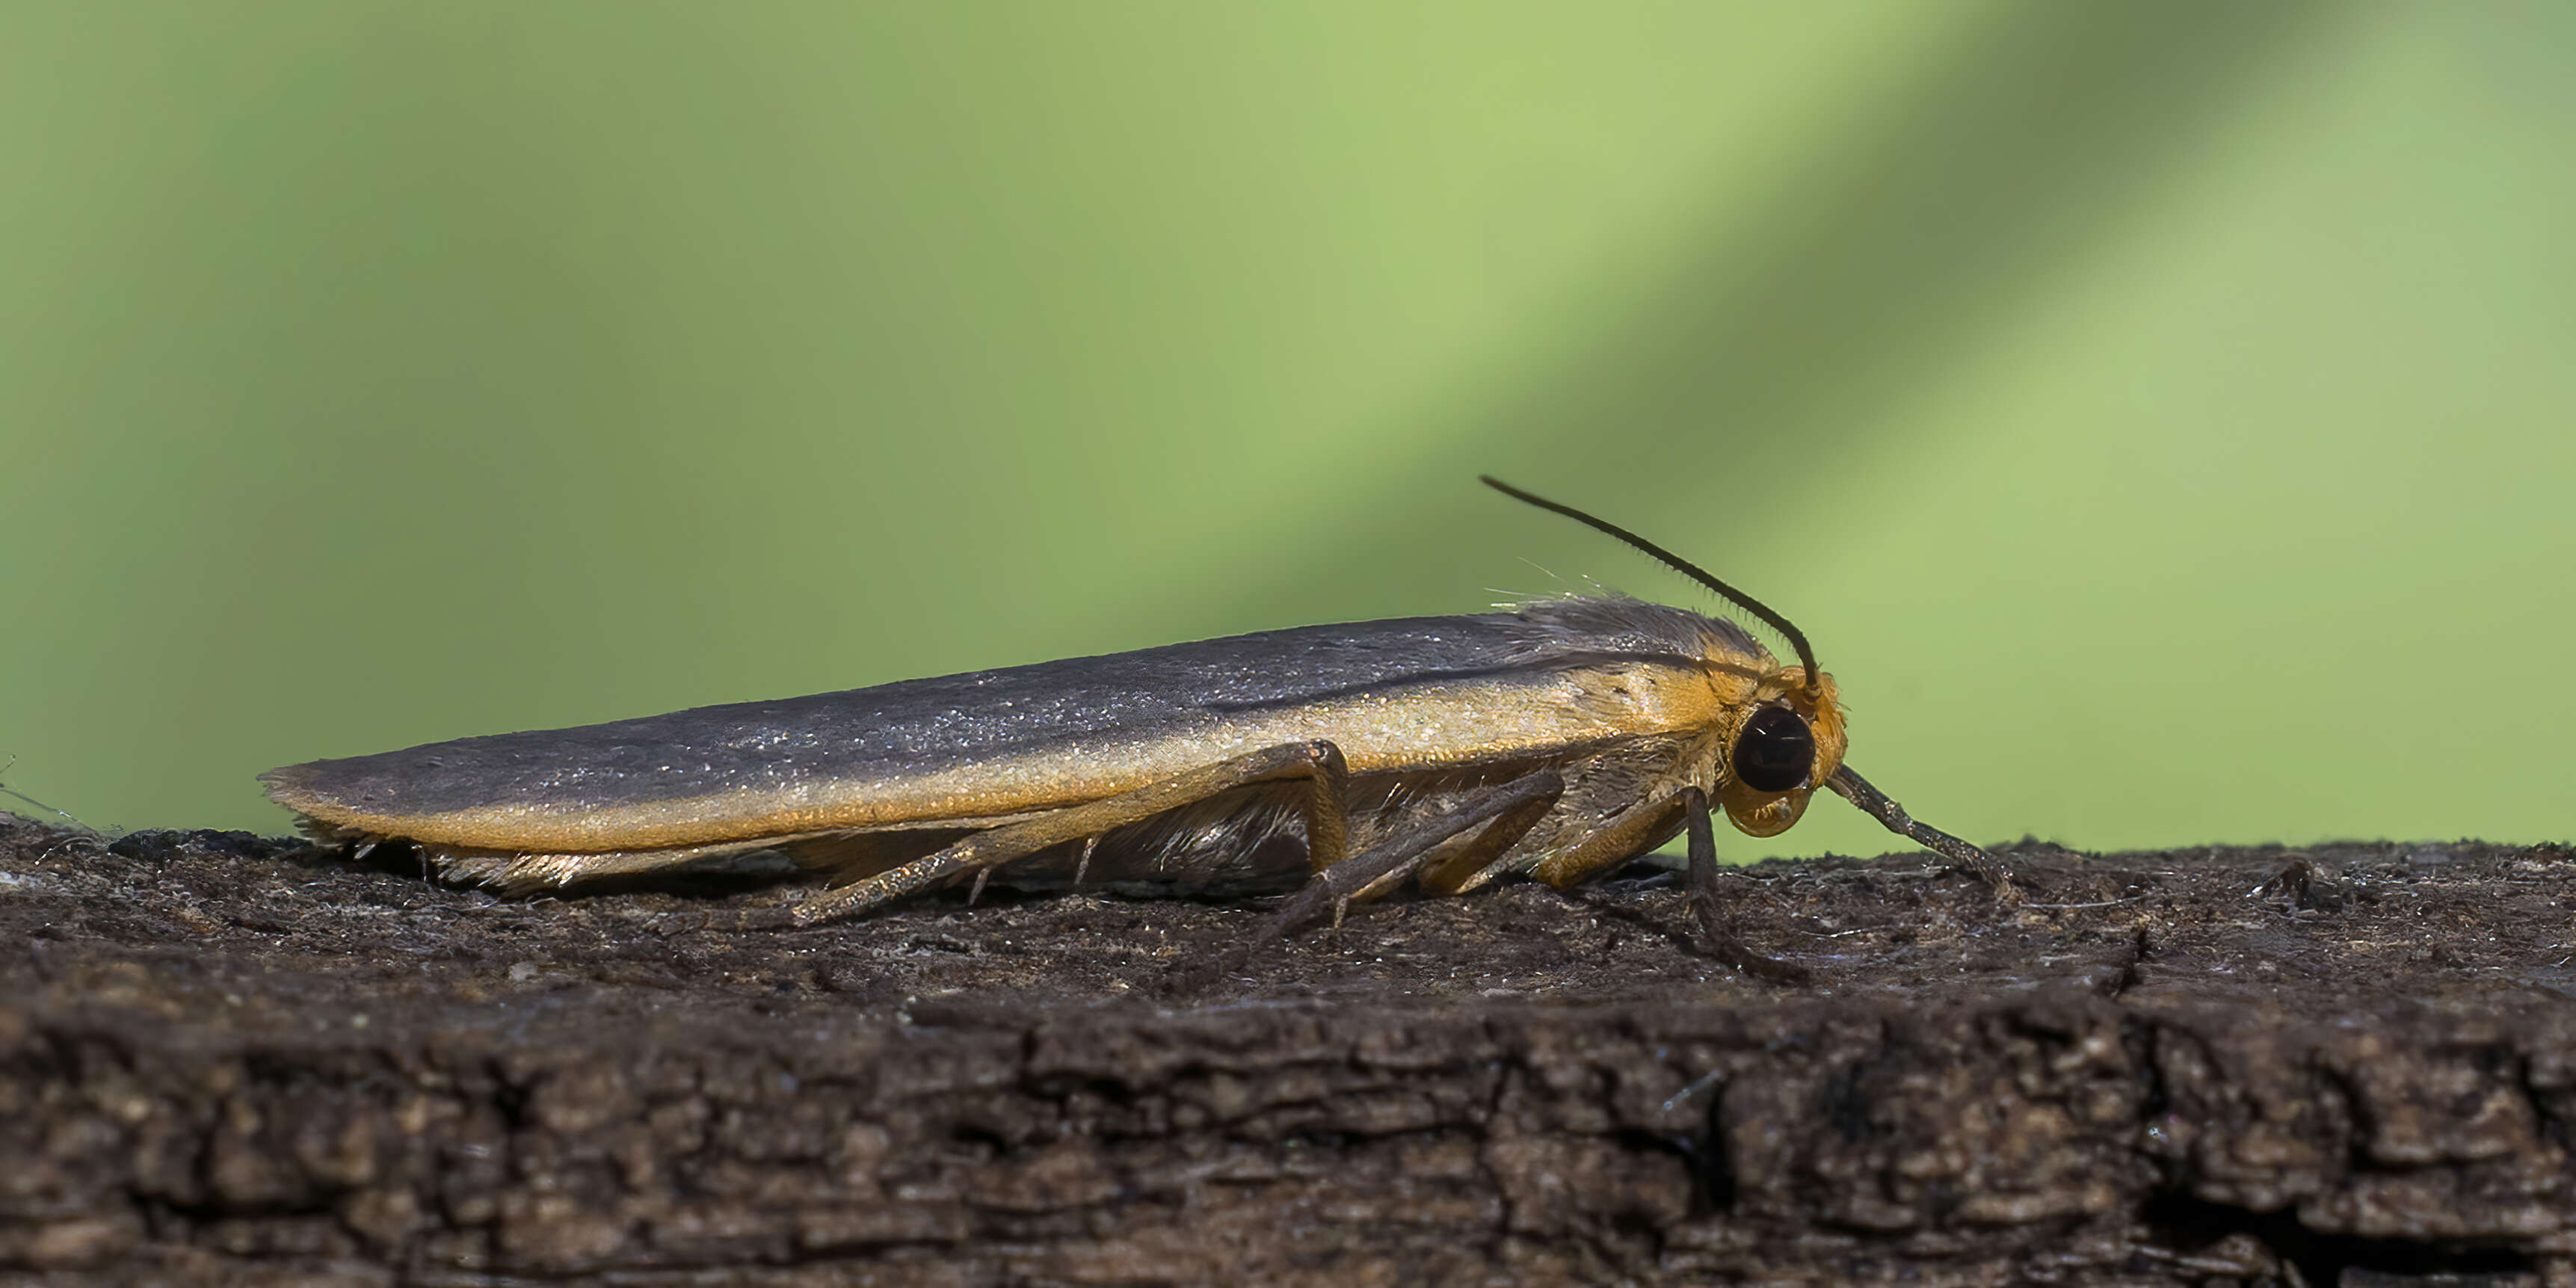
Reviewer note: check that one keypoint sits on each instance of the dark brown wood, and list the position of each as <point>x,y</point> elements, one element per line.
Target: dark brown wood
<point>221,1062</point>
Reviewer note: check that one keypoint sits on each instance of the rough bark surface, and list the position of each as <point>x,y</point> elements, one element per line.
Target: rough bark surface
<point>222,1061</point>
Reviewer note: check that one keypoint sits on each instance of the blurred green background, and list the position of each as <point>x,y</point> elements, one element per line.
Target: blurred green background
<point>2159,414</point>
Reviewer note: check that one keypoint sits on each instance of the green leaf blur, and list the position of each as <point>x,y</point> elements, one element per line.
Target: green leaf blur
<point>2159,414</point>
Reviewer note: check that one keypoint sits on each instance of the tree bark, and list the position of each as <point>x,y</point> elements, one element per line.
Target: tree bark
<point>224,1059</point>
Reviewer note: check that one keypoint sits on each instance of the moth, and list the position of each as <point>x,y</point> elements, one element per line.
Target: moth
<point>1557,740</point>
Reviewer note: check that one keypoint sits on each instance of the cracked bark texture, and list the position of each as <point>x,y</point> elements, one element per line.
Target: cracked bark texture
<point>224,1061</point>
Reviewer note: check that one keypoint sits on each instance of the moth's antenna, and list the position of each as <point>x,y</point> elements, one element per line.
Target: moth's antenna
<point>1797,638</point>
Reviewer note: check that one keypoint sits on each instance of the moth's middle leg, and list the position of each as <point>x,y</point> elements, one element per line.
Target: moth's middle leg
<point>1640,828</point>
<point>1446,849</point>
<point>1327,824</point>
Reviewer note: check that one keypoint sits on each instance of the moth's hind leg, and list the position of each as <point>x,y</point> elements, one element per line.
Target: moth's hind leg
<point>1327,825</point>
<point>857,856</point>
<point>515,872</point>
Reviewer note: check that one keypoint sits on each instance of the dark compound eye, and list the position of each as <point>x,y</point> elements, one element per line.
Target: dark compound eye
<point>1775,752</point>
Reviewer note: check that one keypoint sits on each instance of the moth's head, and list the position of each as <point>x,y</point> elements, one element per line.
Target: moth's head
<point>1779,749</point>
<point>1780,746</point>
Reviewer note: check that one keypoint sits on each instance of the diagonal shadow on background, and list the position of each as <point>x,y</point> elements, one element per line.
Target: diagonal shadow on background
<point>2034,143</point>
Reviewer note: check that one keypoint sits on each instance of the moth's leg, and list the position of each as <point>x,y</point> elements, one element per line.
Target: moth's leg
<point>1506,812</point>
<point>1873,802</point>
<point>516,873</point>
<point>1715,927</point>
<point>1629,833</point>
<point>1460,864</point>
<point>1327,824</point>
<point>852,856</point>
<point>1643,826</point>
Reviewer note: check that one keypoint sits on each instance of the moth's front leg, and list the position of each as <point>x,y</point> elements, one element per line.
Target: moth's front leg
<point>1327,825</point>
<point>1875,803</point>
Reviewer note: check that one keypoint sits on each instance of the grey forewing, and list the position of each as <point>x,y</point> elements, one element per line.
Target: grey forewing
<point>949,721</point>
